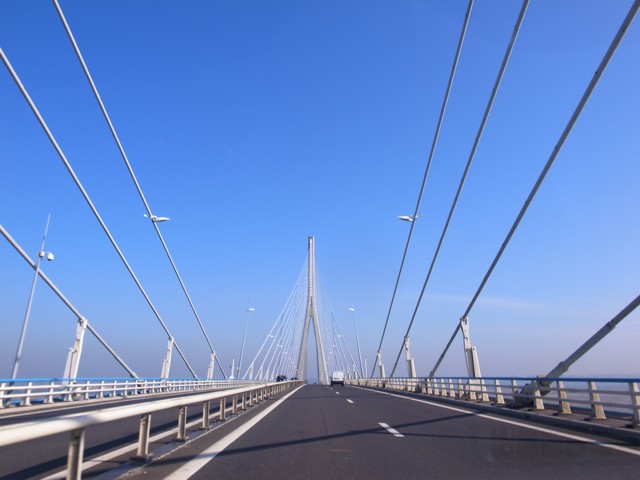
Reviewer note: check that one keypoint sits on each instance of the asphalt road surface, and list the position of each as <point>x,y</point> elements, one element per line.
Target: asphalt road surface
<point>322,432</point>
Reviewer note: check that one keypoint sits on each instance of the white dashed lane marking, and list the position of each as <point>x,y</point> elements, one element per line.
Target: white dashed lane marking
<point>392,431</point>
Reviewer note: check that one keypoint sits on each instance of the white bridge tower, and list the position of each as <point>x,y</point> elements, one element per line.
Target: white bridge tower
<point>312,315</point>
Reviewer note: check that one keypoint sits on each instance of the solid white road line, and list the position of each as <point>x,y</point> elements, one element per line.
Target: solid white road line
<point>520,424</point>
<point>192,467</point>
<point>393,431</point>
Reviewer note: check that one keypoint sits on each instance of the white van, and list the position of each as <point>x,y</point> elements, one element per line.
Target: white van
<point>337,377</point>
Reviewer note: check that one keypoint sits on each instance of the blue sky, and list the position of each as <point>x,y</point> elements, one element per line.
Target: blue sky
<point>256,124</point>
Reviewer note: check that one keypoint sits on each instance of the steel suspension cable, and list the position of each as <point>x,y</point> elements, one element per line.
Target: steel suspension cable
<point>66,163</point>
<point>133,176</point>
<point>633,10</point>
<point>291,313</point>
<point>463,179</point>
<point>69,305</point>
<point>427,169</point>
<point>333,323</point>
<point>270,334</point>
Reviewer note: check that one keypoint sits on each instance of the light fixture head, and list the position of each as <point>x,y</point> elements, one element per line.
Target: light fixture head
<point>156,219</point>
<point>407,218</point>
<point>48,255</point>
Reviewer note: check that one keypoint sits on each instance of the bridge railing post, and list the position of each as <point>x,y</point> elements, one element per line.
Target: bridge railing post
<point>4,398</point>
<point>563,402</point>
<point>26,400</point>
<point>484,396</point>
<point>206,411</point>
<point>182,424</point>
<point>597,412</point>
<point>537,397</point>
<point>49,398</point>
<point>76,454</point>
<point>142,453</point>
<point>234,405</point>
<point>499,396</point>
<point>514,389</point>
<point>635,403</point>
<point>222,416</point>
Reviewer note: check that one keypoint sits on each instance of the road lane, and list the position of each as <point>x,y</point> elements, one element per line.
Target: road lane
<point>318,434</point>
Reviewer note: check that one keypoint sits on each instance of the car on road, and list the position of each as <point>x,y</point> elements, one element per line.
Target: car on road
<point>281,378</point>
<point>337,377</point>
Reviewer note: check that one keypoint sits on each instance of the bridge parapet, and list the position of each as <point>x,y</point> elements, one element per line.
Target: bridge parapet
<point>599,398</point>
<point>27,392</point>
<point>76,424</point>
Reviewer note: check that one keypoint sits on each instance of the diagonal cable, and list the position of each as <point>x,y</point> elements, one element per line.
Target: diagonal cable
<point>133,176</point>
<point>62,156</point>
<point>69,305</point>
<point>483,123</point>
<point>633,10</point>
<point>426,173</point>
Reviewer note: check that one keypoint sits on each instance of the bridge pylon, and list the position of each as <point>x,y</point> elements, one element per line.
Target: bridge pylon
<point>311,316</point>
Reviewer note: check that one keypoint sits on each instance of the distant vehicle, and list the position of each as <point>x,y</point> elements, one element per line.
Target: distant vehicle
<point>281,378</point>
<point>337,377</point>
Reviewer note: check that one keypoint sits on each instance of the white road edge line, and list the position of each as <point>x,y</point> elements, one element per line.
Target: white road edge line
<point>192,467</point>
<point>349,400</point>
<point>393,431</point>
<point>520,424</point>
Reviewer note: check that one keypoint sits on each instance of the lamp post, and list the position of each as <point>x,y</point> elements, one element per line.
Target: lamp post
<point>353,314</point>
<point>246,323</point>
<point>41,254</point>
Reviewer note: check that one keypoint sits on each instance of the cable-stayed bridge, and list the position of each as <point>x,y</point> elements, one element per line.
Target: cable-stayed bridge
<point>94,420</point>
<point>258,418</point>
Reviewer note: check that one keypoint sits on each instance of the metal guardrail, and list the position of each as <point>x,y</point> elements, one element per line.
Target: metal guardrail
<point>241,398</point>
<point>601,397</point>
<point>26,392</point>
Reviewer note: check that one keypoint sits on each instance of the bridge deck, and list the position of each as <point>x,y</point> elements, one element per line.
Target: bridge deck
<point>321,432</point>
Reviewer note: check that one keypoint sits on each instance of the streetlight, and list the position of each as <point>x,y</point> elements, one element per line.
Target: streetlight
<point>408,218</point>
<point>353,314</point>
<point>246,323</point>
<point>156,219</point>
<point>41,254</point>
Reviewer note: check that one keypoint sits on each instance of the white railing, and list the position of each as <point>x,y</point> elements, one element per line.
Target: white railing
<point>26,392</point>
<point>599,397</point>
<point>76,424</point>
